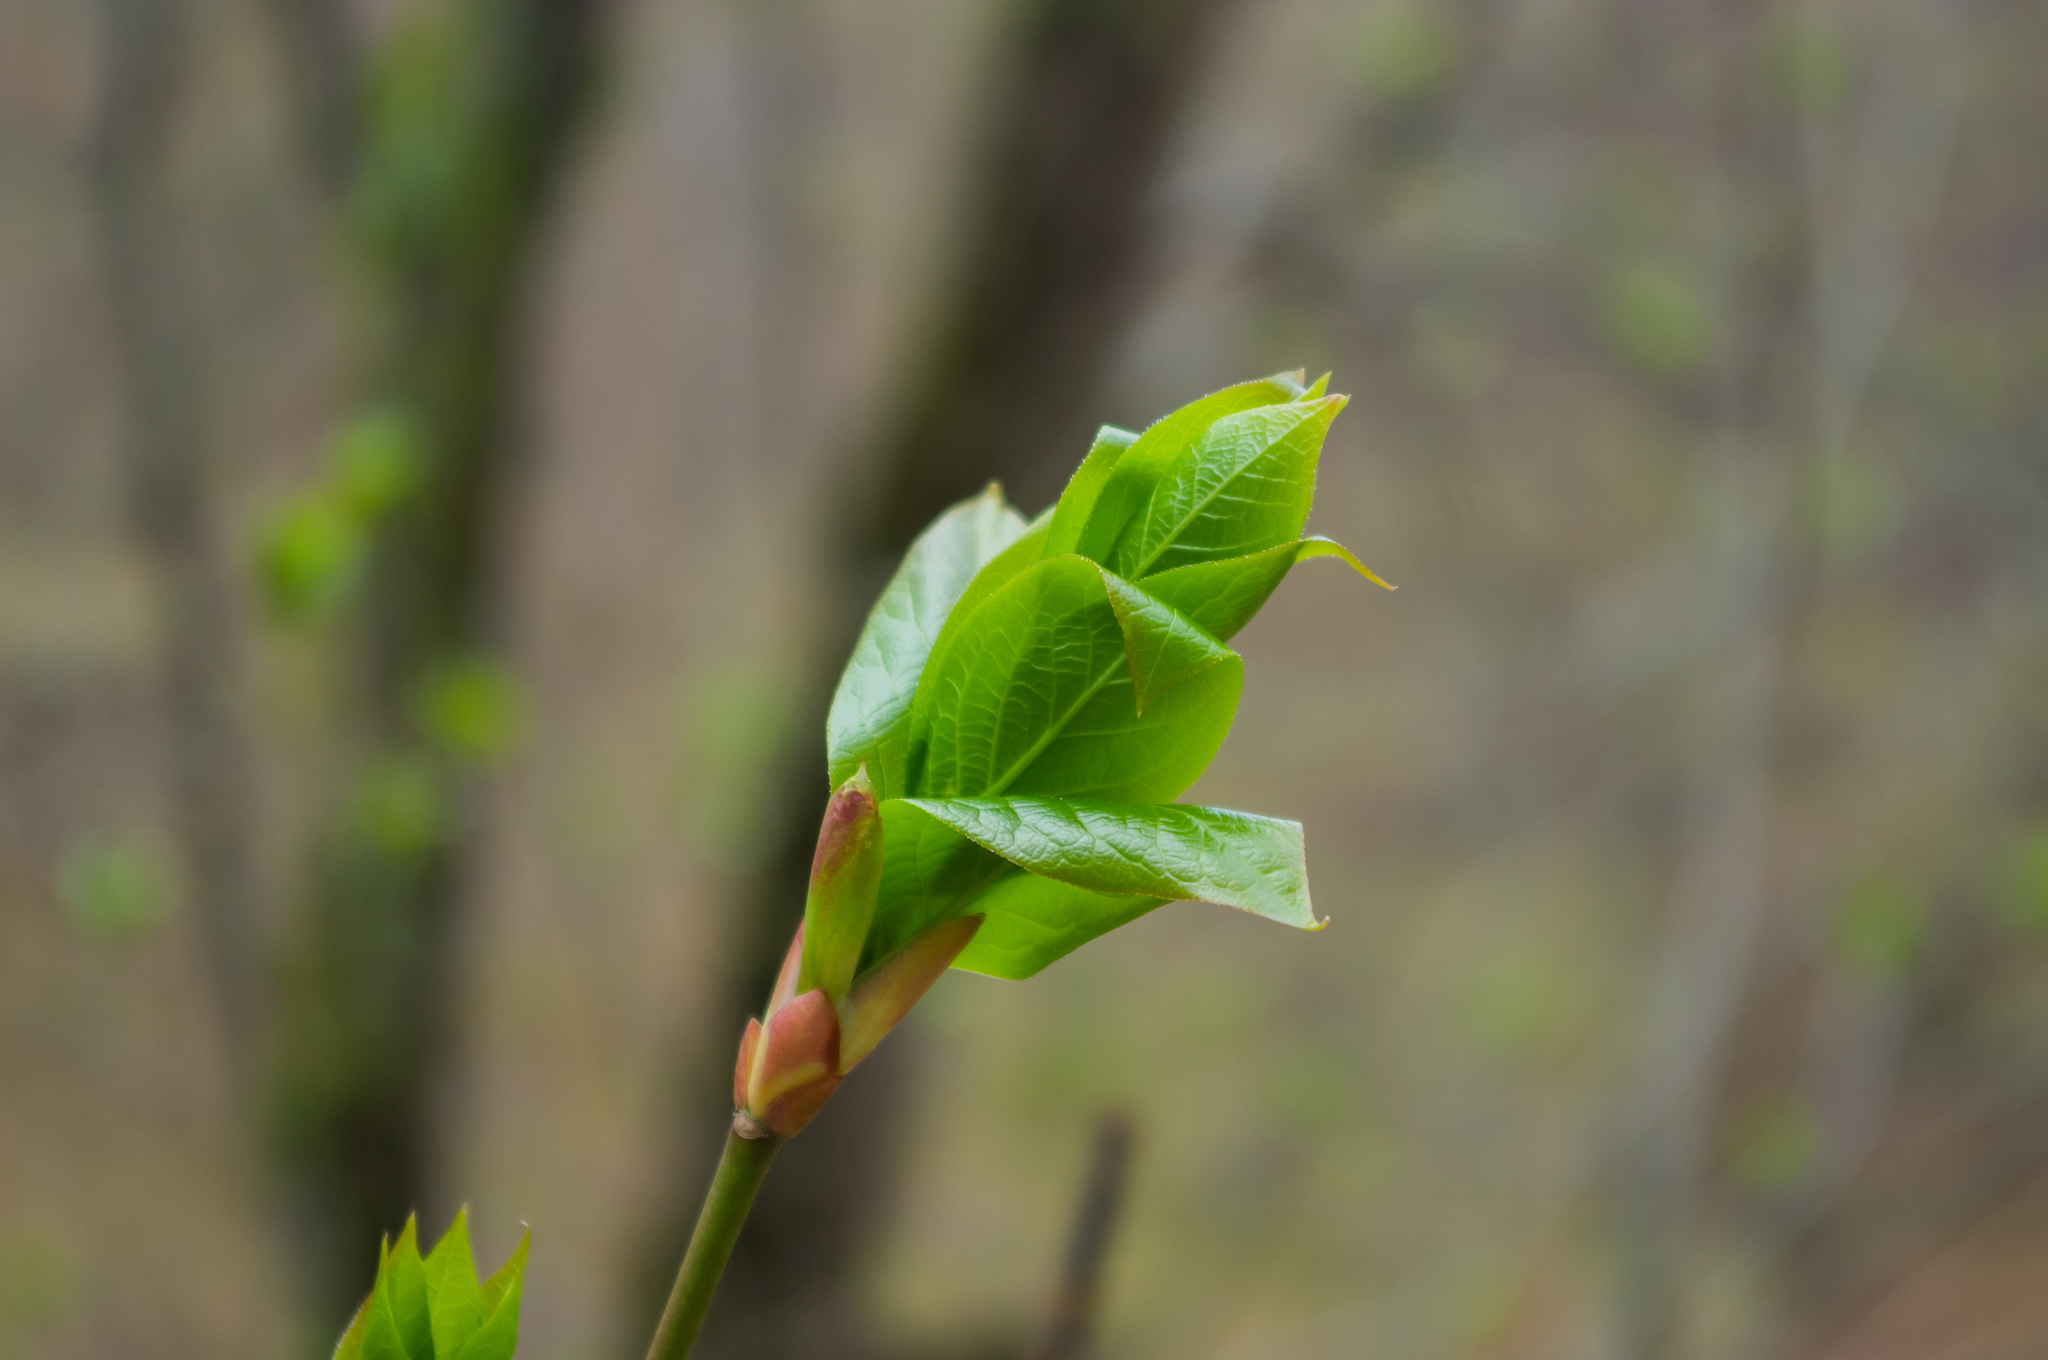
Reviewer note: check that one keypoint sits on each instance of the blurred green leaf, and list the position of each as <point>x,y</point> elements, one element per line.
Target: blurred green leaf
<point>1806,63</point>
<point>1513,1003</point>
<point>472,708</point>
<point>1310,1086</point>
<point>112,891</point>
<point>311,556</point>
<point>1878,928</point>
<point>1655,319</point>
<point>37,1283</point>
<point>400,805</point>
<point>1406,49</point>
<point>1456,348</point>
<point>379,459</point>
<point>1853,507</point>
<point>1774,1145</point>
<point>2026,894</point>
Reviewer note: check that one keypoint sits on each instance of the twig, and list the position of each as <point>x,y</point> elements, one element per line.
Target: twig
<point>741,1169</point>
<point>1072,1325</point>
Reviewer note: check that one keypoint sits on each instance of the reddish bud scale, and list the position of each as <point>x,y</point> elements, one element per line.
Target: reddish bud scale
<point>790,1065</point>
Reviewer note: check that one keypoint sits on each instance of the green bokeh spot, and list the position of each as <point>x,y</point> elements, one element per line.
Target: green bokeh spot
<point>1513,1004</point>
<point>378,458</point>
<point>1775,1145</point>
<point>1879,927</point>
<point>1806,64</point>
<point>112,891</point>
<point>2026,895</point>
<point>36,1284</point>
<point>311,557</point>
<point>1406,50</point>
<point>472,708</point>
<point>1655,319</point>
<point>400,805</point>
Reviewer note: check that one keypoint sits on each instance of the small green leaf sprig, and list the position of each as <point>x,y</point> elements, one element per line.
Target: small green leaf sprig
<point>1021,710</point>
<point>435,1309</point>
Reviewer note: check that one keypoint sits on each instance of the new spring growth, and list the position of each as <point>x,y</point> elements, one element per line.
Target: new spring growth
<point>821,1020</point>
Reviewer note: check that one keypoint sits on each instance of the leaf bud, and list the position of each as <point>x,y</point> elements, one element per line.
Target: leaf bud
<point>846,876</point>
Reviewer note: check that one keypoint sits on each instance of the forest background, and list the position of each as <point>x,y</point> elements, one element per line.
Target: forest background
<point>446,448</point>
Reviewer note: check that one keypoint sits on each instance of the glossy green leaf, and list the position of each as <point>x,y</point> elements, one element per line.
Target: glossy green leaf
<point>454,1304</point>
<point>1029,922</point>
<point>1234,859</point>
<point>1092,524</point>
<point>1244,488</point>
<point>874,693</point>
<point>930,873</point>
<point>1084,488</point>
<point>1110,750</point>
<point>1034,693</point>
<point>1080,681</point>
<point>1222,596</point>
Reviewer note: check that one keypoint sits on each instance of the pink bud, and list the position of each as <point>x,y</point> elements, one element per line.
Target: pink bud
<point>788,1067</point>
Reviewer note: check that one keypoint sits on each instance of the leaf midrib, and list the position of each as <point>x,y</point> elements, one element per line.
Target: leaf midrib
<point>1052,731</point>
<point>1206,501</point>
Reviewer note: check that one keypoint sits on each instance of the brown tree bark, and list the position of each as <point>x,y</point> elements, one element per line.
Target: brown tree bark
<point>368,1015</point>
<point>169,484</point>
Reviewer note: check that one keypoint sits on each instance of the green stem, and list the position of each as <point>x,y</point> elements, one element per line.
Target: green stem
<point>741,1169</point>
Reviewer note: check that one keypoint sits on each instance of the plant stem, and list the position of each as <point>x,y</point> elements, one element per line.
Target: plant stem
<point>741,1169</point>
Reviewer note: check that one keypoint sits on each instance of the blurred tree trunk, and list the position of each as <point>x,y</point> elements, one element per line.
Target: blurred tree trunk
<point>169,500</point>
<point>469,115</point>
<point>1050,269</point>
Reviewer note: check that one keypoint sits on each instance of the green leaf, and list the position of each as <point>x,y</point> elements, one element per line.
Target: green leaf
<point>399,1326</point>
<point>499,1335</point>
<point>350,1347</point>
<point>881,677</point>
<point>454,1302</point>
<point>1222,596</point>
<point>1245,487</point>
<point>1084,488</point>
<point>930,873</point>
<point>1235,859</point>
<point>311,554</point>
<point>472,707</point>
<point>1091,525</point>
<point>406,1288</point>
<point>1034,694</point>
<point>1029,922</point>
<point>1161,647</point>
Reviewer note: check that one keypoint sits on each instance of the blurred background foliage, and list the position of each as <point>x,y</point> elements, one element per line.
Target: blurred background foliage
<point>445,450</point>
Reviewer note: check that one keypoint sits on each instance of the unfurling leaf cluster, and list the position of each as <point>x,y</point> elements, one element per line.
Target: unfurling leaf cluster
<point>435,1308</point>
<point>1028,699</point>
